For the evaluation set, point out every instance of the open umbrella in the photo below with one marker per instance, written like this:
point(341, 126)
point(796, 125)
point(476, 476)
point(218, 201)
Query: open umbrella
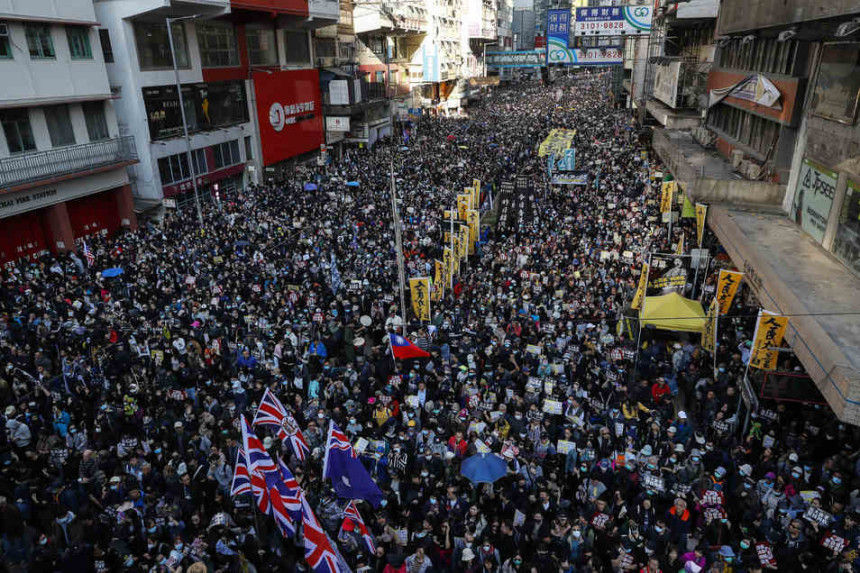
point(451, 137)
point(112, 272)
point(484, 468)
point(310, 186)
point(352, 184)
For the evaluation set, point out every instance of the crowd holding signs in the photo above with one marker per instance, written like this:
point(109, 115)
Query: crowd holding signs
point(245, 396)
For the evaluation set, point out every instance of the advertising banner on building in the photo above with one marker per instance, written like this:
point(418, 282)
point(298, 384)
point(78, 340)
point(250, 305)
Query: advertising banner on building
point(521, 59)
point(666, 83)
point(289, 109)
point(588, 57)
point(337, 123)
point(813, 198)
point(430, 67)
point(769, 331)
point(614, 21)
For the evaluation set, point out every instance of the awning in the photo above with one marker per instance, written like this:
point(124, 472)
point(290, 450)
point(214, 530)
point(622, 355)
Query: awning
point(673, 312)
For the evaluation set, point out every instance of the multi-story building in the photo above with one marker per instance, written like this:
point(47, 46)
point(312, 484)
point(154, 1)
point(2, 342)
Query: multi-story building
point(780, 170)
point(63, 158)
point(389, 36)
point(523, 28)
point(250, 90)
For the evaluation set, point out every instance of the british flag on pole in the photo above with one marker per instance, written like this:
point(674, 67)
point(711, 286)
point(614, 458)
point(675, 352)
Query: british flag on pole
point(241, 477)
point(320, 553)
point(351, 514)
point(272, 413)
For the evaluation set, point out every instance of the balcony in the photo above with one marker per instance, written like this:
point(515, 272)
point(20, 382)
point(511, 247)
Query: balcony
point(390, 17)
point(31, 168)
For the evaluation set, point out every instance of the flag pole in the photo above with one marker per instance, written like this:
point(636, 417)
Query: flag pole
point(327, 442)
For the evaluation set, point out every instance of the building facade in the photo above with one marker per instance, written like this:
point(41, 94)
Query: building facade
point(779, 166)
point(63, 156)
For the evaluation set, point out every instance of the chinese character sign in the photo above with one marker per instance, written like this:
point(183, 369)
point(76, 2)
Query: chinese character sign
point(769, 332)
point(639, 297)
point(701, 215)
point(463, 204)
point(473, 218)
point(439, 280)
point(420, 290)
point(668, 193)
point(727, 287)
point(614, 21)
point(709, 333)
point(464, 241)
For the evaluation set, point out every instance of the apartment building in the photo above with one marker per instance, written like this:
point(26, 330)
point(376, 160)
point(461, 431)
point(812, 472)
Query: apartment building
point(63, 158)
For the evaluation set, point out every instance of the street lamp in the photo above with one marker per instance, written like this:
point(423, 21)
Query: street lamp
point(170, 21)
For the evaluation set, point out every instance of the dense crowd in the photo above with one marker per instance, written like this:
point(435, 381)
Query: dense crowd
point(121, 395)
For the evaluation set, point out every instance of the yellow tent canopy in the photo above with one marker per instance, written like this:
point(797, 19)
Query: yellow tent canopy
point(673, 312)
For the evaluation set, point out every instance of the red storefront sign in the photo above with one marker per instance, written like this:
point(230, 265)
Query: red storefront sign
point(289, 110)
point(23, 235)
point(203, 180)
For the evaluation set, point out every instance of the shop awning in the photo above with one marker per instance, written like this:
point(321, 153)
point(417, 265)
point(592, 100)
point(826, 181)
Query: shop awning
point(673, 312)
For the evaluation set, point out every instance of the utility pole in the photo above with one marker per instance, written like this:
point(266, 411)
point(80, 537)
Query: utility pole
point(169, 22)
point(398, 242)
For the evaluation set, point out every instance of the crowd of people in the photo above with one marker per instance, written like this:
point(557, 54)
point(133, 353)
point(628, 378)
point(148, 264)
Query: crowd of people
point(122, 394)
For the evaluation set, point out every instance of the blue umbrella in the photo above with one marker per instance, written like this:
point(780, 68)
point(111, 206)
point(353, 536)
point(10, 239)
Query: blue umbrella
point(352, 183)
point(310, 186)
point(241, 244)
point(112, 272)
point(484, 468)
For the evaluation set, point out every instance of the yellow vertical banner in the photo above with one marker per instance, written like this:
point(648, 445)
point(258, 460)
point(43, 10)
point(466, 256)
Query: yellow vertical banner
point(420, 290)
point(473, 218)
point(464, 241)
point(447, 213)
point(448, 261)
point(639, 297)
point(679, 250)
point(440, 279)
point(463, 205)
point(769, 332)
point(668, 190)
point(470, 191)
point(476, 185)
point(701, 215)
point(727, 287)
point(709, 333)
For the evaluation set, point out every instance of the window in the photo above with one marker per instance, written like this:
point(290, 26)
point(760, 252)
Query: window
point(261, 47)
point(107, 47)
point(59, 125)
point(173, 168)
point(153, 45)
point(207, 106)
point(94, 113)
point(249, 153)
point(5, 44)
point(79, 42)
point(847, 243)
point(298, 51)
point(756, 133)
point(765, 55)
point(837, 87)
point(19, 134)
point(198, 158)
point(227, 154)
point(39, 42)
point(217, 45)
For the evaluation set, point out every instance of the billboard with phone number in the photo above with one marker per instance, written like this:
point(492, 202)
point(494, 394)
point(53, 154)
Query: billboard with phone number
point(614, 21)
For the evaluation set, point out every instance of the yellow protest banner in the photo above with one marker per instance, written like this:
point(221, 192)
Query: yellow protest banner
point(448, 214)
point(464, 241)
point(556, 142)
point(668, 193)
point(463, 204)
point(476, 185)
point(473, 218)
point(709, 333)
point(639, 297)
point(470, 191)
point(701, 215)
point(420, 290)
point(448, 261)
point(679, 250)
point(727, 287)
point(769, 331)
point(439, 280)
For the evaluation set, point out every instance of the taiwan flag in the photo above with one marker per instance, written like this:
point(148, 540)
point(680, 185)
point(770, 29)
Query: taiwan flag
point(403, 349)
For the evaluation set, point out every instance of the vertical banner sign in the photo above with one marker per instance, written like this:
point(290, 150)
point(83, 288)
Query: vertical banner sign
point(463, 205)
point(440, 278)
point(709, 333)
point(470, 191)
point(557, 34)
point(476, 185)
point(668, 190)
point(457, 256)
point(813, 198)
point(420, 289)
point(448, 261)
point(769, 331)
point(473, 218)
point(726, 289)
point(464, 241)
point(679, 250)
point(701, 216)
point(639, 297)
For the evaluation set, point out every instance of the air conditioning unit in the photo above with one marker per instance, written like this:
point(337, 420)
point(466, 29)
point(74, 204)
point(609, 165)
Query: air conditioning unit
point(4, 30)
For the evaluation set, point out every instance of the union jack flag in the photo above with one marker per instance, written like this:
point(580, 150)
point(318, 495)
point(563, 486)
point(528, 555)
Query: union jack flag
point(257, 456)
point(277, 492)
point(292, 495)
point(338, 440)
point(272, 413)
point(261, 492)
point(320, 553)
point(351, 513)
point(241, 477)
point(89, 256)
